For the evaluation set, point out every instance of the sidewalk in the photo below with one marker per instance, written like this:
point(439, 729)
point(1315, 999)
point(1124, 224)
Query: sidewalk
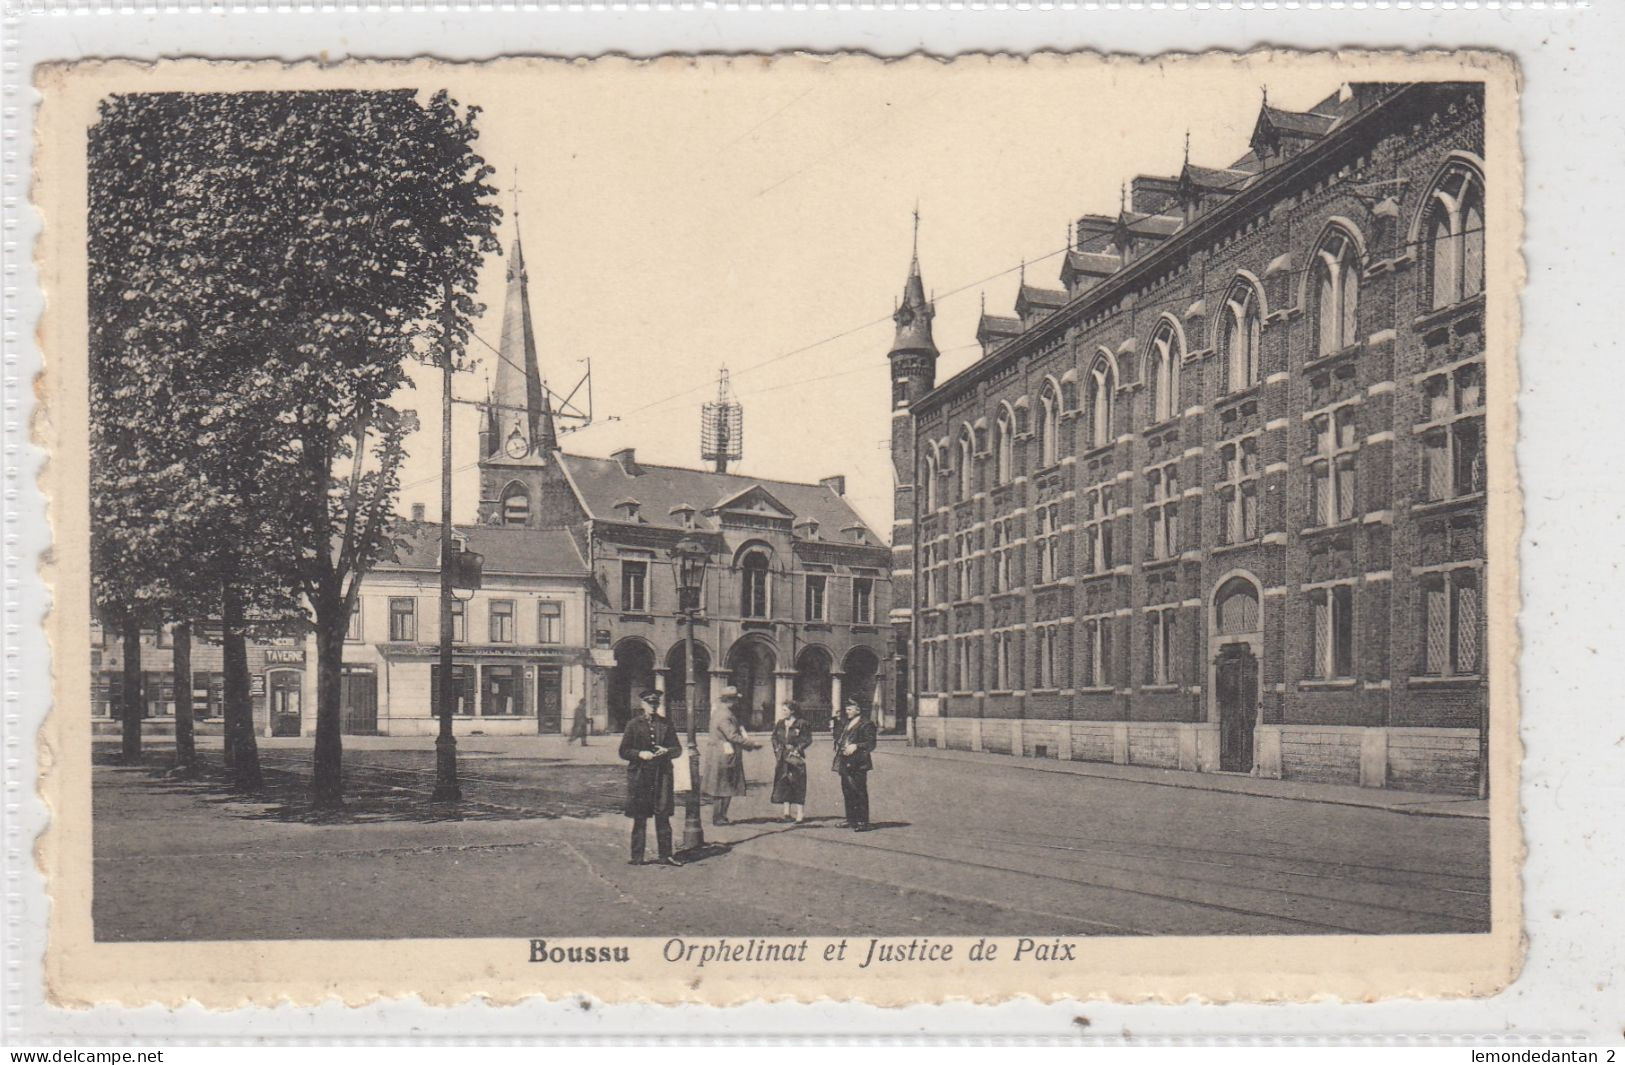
point(604, 750)
point(1422, 804)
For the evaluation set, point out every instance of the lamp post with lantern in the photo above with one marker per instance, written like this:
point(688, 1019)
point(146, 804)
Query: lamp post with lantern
point(691, 556)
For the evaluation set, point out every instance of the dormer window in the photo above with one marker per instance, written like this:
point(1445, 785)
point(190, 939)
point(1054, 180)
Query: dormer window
point(627, 509)
point(807, 528)
point(684, 514)
point(856, 533)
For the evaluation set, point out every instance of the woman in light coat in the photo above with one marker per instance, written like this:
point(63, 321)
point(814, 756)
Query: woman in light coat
point(725, 772)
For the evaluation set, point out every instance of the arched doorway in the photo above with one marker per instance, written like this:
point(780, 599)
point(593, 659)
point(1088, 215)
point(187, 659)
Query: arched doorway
point(634, 671)
point(1237, 627)
point(751, 665)
point(812, 686)
point(677, 686)
point(859, 672)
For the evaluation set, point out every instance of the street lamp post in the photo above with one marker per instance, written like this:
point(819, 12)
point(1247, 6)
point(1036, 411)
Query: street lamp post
point(445, 744)
point(691, 556)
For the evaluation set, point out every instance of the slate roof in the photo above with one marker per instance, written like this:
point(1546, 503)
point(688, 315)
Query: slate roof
point(1302, 122)
point(529, 552)
point(600, 483)
point(1156, 225)
point(1095, 263)
point(995, 325)
point(1045, 298)
point(1210, 178)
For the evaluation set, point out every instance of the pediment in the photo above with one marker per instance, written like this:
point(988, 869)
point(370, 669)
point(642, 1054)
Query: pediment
point(754, 502)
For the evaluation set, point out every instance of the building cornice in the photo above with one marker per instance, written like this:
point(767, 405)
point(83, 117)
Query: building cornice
point(1270, 185)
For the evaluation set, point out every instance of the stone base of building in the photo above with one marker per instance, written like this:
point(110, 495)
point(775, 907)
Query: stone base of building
point(1442, 760)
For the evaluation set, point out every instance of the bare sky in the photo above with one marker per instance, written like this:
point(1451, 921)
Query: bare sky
point(681, 217)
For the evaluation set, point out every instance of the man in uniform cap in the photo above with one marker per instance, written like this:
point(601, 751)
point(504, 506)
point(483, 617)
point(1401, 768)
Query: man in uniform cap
point(649, 745)
point(854, 740)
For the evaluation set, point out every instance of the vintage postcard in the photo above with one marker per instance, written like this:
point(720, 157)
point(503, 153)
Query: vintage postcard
point(786, 527)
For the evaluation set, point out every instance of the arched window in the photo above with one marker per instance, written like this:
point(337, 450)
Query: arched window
point(1003, 445)
point(1454, 235)
point(755, 599)
point(1048, 428)
point(516, 505)
point(1337, 292)
point(1165, 358)
point(928, 480)
point(1101, 389)
point(967, 465)
point(1239, 338)
point(1236, 607)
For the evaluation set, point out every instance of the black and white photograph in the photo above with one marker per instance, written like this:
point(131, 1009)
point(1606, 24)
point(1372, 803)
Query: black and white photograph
point(731, 519)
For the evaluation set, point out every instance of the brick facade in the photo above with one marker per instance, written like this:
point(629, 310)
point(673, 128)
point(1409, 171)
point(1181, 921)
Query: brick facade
point(1224, 495)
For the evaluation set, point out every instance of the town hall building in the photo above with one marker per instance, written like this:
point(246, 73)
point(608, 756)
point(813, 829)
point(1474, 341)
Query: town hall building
point(798, 587)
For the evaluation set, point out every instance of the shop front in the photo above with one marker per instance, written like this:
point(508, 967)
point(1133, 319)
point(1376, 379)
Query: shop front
point(506, 691)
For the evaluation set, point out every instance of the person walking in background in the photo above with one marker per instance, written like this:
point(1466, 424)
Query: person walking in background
point(854, 740)
point(648, 746)
point(792, 735)
point(725, 772)
point(578, 723)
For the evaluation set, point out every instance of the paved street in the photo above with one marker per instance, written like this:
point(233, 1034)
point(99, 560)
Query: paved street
point(967, 844)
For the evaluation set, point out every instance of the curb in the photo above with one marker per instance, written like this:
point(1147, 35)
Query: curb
point(1194, 781)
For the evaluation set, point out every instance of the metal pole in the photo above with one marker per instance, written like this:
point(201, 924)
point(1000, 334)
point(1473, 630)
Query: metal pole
point(445, 745)
point(693, 833)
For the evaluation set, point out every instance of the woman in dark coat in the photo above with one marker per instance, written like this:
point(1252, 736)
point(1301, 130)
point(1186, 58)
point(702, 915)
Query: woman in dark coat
point(648, 746)
point(791, 738)
point(725, 772)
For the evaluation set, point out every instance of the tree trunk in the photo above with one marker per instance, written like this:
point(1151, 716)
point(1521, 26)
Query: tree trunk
point(327, 784)
point(245, 760)
point(134, 703)
point(185, 747)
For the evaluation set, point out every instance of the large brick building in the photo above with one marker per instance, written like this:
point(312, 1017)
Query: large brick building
point(1218, 503)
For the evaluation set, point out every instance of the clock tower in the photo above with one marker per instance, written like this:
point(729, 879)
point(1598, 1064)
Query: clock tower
point(518, 440)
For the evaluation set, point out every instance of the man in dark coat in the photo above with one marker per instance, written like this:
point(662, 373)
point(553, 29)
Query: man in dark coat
point(649, 746)
point(854, 740)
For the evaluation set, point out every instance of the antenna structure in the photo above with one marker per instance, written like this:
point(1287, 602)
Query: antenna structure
point(722, 427)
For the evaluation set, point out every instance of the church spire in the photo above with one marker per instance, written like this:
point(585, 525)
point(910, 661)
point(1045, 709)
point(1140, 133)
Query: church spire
point(522, 419)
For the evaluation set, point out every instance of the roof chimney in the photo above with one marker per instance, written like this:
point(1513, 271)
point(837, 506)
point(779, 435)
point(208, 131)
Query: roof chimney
point(417, 512)
point(628, 458)
point(836, 484)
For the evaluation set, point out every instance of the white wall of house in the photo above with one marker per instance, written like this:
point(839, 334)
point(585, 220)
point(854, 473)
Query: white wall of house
point(402, 667)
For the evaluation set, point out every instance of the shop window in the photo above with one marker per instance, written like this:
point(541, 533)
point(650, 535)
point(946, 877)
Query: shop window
point(503, 691)
point(463, 681)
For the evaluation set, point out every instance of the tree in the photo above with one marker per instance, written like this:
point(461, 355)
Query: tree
point(275, 258)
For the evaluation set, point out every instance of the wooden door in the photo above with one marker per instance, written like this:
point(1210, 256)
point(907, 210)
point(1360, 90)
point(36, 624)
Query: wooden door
point(1236, 686)
point(549, 700)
